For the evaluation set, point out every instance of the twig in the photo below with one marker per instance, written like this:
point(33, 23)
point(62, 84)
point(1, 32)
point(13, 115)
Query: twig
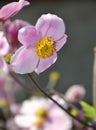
point(94, 80)
point(40, 88)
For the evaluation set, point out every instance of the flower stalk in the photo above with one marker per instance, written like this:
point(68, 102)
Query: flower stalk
point(94, 80)
point(42, 91)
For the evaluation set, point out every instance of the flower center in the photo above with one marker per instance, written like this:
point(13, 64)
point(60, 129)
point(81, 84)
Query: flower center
point(41, 115)
point(41, 112)
point(45, 48)
point(39, 122)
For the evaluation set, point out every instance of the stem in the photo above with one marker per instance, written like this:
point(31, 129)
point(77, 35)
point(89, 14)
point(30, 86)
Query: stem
point(39, 87)
point(61, 96)
point(94, 80)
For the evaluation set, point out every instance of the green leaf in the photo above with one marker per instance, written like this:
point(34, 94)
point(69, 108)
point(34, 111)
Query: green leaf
point(89, 110)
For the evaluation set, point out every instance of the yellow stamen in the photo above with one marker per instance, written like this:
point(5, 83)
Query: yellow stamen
point(74, 112)
point(8, 58)
point(39, 122)
point(41, 113)
point(45, 48)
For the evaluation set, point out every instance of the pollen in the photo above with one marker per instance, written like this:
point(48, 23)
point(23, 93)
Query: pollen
point(45, 48)
point(39, 122)
point(41, 113)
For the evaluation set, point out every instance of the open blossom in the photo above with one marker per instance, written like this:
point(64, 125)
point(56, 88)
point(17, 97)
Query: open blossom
point(38, 113)
point(12, 9)
point(40, 45)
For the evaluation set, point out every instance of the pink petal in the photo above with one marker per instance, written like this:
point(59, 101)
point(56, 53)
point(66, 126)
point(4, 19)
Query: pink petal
point(12, 9)
point(4, 46)
point(3, 65)
point(59, 118)
point(12, 32)
point(46, 63)
point(24, 60)
point(50, 25)
point(60, 42)
point(24, 121)
point(28, 35)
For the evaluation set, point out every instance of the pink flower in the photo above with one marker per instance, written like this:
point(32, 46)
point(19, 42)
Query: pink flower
point(39, 113)
point(75, 93)
point(12, 29)
point(40, 45)
point(12, 9)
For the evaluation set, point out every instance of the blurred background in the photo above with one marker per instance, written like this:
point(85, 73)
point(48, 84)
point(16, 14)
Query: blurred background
point(75, 60)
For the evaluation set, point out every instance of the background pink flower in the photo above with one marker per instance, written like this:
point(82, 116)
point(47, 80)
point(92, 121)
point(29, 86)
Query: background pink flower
point(4, 49)
point(12, 29)
point(12, 9)
point(40, 45)
point(75, 93)
point(40, 113)
point(4, 46)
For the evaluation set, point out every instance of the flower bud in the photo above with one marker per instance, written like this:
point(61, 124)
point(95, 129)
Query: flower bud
point(75, 93)
point(12, 29)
